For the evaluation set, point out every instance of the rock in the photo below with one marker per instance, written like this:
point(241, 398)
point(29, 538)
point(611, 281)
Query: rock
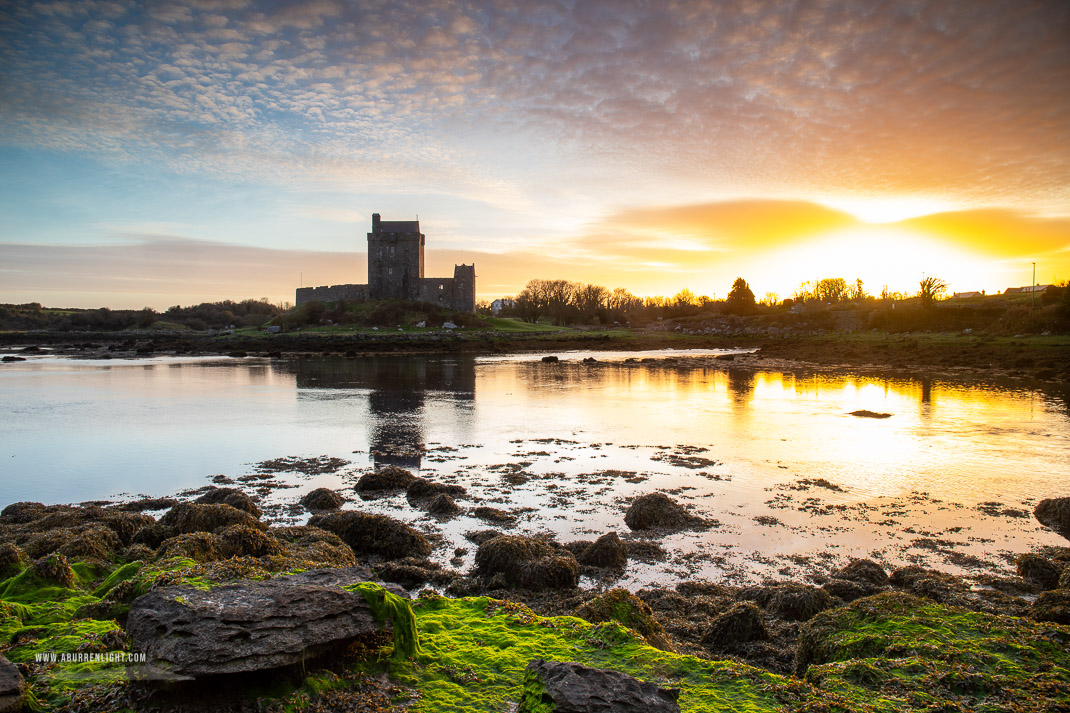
point(411, 571)
point(794, 602)
point(322, 499)
point(845, 589)
point(494, 515)
point(244, 541)
point(147, 504)
point(56, 569)
point(862, 570)
point(201, 517)
point(388, 478)
point(422, 488)
point(625, 608)
point(657, 510)
point(443, 505)
point(22, 512)
point(1064, 578)
point(374, 534)
point(1052, 606)
point(741, 624)
point(1052, 512)
point(526, 562)
point(550, 359)
point(12, 560)
point(449, 325)
point(12, 687)
point(230, 496)
point(1039, 570)
point(606, 551)
point(198, 546)
point(252, 626)
point(574, 688)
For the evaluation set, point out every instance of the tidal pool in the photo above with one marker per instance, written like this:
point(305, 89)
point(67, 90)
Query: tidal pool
point(795, 483)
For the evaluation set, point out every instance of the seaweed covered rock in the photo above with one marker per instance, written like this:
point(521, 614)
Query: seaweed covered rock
point(864, 571)
point(1039, 570)
point(607, 551)
point(12, 687)
point(625, 608)
point(529, 562)
point(318, 547)
point(1055, 514)
point(1064, 578)
point(1052, 606)
point(142, 504)
point(443, 506)
point(21, 512)
point(413, 571)
point(794, 602)
point(152, 535)
point(658, 510)
point(846, 589)
point(230, 496)
point(245, 541)
point(421, 488)
point(205, 517)
point(12, 560)
point(252, 626)
point(374, 534)
point(322, 499)
point(564, 687)
point(389, 478)
point(197, 546)
point(55, 568)
point(741, 624)
point(924, 582)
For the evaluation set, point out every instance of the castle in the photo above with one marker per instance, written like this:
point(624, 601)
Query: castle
point(396, 272)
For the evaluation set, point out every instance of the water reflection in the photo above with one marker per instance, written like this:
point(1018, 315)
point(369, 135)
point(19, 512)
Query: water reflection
point(398, 389)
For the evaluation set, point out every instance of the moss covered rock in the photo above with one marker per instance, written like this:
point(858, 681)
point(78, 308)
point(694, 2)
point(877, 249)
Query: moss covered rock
point(202, 517)
point(658, 510)
point(12, 560)
point(625, 608)
point(378, 535)
point(55, 569)
point(388, 478)
point(230, 496)
point(741, 624)
point(322, 500)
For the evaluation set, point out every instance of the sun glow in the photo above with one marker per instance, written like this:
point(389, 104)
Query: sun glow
point(887, 210)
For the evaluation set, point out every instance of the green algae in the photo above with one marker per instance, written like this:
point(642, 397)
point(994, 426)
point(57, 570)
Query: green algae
point(386, 605)
point(474, 653)
point(121, 574)
point(532, 695)
point(909, 654)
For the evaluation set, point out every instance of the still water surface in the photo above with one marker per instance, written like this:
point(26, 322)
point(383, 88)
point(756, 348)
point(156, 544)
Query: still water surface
point(564, 446)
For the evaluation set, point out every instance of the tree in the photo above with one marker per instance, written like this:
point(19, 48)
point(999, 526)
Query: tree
point(930, 290)
point(858, 292)
point(740, 298)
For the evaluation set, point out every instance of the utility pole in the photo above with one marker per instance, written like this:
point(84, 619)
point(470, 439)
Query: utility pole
point(1033, 287)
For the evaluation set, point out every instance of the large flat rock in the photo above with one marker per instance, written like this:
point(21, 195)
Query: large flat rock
point(575, 688)
point(251, 626)
point(12, 687)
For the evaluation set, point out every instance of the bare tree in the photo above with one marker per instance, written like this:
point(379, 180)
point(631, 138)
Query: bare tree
point(930, 290)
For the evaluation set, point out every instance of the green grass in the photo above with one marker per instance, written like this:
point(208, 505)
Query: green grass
point(511, 324)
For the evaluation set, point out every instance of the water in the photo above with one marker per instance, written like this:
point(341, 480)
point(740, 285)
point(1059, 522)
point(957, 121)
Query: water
point(794, 481)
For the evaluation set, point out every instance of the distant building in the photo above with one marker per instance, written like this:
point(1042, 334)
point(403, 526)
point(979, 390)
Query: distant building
point(396, 272)
point(965, 295)
point(1035, 289)
point(497, 306)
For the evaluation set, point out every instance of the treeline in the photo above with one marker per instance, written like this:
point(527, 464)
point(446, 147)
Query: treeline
point(208, 315)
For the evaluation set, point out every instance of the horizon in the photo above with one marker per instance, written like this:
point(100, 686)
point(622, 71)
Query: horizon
point(171, 154)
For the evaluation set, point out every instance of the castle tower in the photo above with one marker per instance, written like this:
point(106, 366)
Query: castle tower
point(464, 288)
point(395, 259)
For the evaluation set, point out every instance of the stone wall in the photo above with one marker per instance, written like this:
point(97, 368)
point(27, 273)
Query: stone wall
point(332, 293)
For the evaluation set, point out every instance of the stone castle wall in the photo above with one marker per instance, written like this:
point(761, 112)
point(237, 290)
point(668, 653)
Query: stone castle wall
point(332, 293)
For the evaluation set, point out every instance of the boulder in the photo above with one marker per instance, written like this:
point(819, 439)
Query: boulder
point(422, 488)
point(846, 589)
point(1052, 512)
point(658, 510)
point(550, 359)
point(741, 624)
point(56, 569)
point(245, 541)
point(204, 517)
point(625, 608)
point(252, 626)
point(389, 478)
point(230, 496)
point(1039, 570)
point(528, 562)
point(606, 551)
point(197, 546)
point(1052, 606)
point(443, 505)
point(574, 688)
point(862, 571)
point(22, 512)
point(322, 499)
point(794, 602)
point(370, 534)
point(12, 687)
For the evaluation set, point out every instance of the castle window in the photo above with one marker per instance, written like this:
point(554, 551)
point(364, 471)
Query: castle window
point(390, 271)
point(391, 249)
point(441, 287)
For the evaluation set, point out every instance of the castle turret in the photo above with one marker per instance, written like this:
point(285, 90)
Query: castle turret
point(464, 288)
point(395, 259)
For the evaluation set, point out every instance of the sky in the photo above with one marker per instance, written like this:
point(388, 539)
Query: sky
point(162, 153)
